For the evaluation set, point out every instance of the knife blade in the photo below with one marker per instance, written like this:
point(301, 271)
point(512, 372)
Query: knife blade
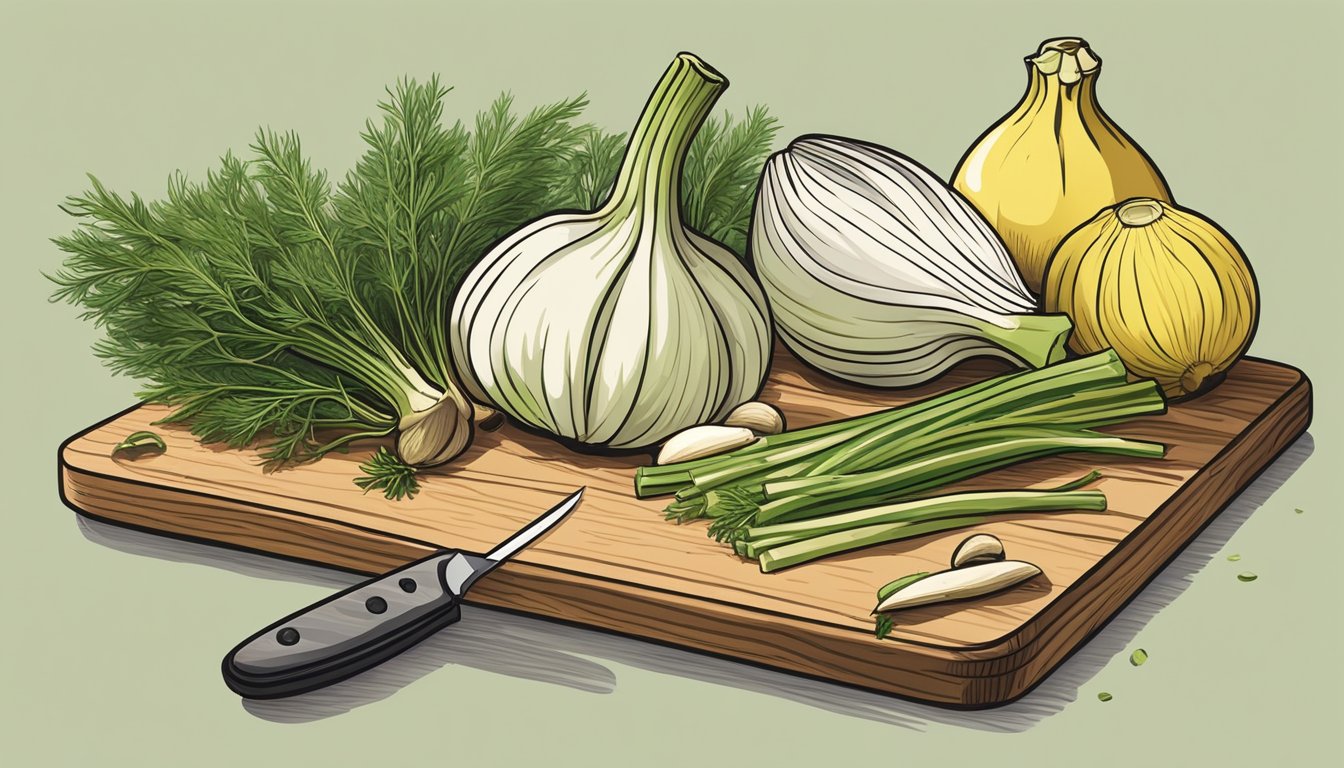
point(363, 626)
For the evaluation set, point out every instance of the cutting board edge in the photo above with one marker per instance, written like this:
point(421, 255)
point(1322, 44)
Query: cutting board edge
point(1002, 655)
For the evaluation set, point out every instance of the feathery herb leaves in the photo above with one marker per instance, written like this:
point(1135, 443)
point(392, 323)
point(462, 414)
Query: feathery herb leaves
point(593, 167)
point(721, 174)
point(386, 472)
point(264, 306)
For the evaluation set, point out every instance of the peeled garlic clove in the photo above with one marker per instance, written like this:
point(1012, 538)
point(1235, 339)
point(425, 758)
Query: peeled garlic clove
point(705, 440)
point(960, 584)
point(1165, 287)
point(1055, 160)
point(880, 274)
point(761, 418)
point(982, 547)
point(619, 327)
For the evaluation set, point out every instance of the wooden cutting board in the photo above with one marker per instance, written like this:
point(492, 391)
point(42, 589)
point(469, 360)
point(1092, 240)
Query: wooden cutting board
point(615, 564)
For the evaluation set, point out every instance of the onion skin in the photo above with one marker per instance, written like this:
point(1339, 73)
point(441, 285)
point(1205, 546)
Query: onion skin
point(1165, 287)
point(1055, 160)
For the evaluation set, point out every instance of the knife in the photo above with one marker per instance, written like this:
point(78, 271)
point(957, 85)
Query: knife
point(370, 622)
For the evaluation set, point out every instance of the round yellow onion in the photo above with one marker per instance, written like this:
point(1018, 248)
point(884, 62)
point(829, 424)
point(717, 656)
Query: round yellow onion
point(1165, 287)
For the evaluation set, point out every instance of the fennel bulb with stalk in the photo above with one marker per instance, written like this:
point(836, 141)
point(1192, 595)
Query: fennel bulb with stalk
point(268, 306)
point(879, 273)
point(619, 327)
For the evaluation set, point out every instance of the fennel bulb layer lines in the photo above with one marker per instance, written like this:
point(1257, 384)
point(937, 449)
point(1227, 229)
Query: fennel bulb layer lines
point(879, 273)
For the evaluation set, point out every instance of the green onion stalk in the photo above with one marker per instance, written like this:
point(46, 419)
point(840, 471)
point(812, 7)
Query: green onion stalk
point(905, 453)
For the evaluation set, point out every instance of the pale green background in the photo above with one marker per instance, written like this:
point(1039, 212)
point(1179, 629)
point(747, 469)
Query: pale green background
point(109, 658)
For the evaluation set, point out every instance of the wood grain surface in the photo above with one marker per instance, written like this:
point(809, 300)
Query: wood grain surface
point(615, 564)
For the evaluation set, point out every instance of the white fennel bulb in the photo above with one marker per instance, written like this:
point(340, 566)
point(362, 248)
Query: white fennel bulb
point(619, 327)
point(879, 273)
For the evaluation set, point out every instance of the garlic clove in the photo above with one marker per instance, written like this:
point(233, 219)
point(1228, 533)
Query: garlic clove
point(705, 440)
point(980, 548)
point(960, 584)
point(761, 418)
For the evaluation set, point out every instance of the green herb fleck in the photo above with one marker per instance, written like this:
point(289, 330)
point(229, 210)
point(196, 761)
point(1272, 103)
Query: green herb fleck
point(1234, 558)
point(1298, 511)
point(1138, 657)
point(883, 627)
point(388, 473)
point(1247, 576)
point(1104, 696)
point(888, 589)
point(140, 440)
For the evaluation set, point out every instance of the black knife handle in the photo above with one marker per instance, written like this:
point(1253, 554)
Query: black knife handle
point(348, 632)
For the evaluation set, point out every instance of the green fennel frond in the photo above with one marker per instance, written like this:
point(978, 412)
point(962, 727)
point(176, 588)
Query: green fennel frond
point(197, 297)
point(515, 166)
point(733, 510)
point(722, 170)
point(389, 474)
point(592, 168)
point(882, 625)
point(269, 309)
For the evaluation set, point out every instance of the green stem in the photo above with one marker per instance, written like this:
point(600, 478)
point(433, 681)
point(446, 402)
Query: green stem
point(650, 174)
point(1037, 340)
point(796, 553)
point(856, 445)
point(1051, 393)
point(825, 494)
point(934, 508)
point(770, 450)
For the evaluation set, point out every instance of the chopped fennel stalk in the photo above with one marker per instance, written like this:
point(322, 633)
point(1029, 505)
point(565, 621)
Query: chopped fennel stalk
point(845, 446)
point(798, 552)
point(791, 497)
point(825, 494)
point(785, 446)
point(816, 496)
point(756, 541)
point(933, 508)
point(141, 439)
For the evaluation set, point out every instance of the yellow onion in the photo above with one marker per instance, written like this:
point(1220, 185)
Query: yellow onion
point(1165, 287)
point(1055, 160)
